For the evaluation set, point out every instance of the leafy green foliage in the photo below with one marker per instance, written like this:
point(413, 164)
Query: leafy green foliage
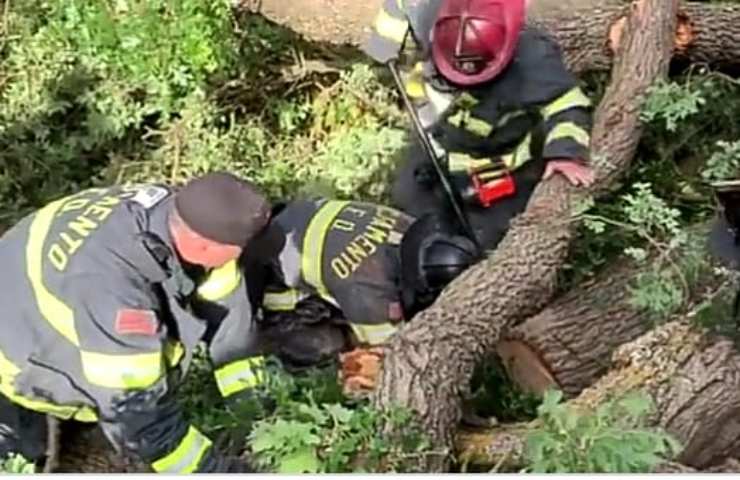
point(16, 463)
point(130, 90)
point(308, 435)
point(494, 395)
point(724, 164)
point(313, 427)
point(671, 103)
point(612, 439)
point(654, 227)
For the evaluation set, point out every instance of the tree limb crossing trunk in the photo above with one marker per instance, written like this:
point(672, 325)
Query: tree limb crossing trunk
point(429, 363)
point(569, 344)
point(693, 379)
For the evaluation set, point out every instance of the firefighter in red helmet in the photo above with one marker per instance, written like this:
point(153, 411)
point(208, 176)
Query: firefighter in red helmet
point(496, 102)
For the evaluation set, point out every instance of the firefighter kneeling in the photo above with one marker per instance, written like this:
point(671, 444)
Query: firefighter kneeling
point(357, 268)
point(101, 294)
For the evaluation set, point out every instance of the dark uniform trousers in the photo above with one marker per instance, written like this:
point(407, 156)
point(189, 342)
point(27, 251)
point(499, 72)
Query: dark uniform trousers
point(489, 224)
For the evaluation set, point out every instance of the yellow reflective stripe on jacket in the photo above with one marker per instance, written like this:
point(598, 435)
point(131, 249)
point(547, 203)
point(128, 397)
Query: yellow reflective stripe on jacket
point(463, 119)
point(240, 375)
point(122, 371)
point(373, 334)
point(568, 130)
point(313, 245)
point(463, 162)
point(282, 301)
point(571, 99)
point(56, 312)
point(415, 82)
point(8, 372)
point(221, 282)
point(389, 27)
point(187, 456)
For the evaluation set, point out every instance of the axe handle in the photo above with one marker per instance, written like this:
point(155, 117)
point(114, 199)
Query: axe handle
point(429, 150)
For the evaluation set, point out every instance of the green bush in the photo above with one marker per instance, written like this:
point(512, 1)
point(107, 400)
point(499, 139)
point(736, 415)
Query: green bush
point(613, 439)
point(129, 90)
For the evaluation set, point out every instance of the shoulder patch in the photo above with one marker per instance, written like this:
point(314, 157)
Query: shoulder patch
point(130, 321)
point(149, 195)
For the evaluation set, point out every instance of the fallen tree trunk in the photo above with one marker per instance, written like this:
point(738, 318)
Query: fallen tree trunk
point(692, 378)
point(587, 30)
point(568, 345)
point(429, 363)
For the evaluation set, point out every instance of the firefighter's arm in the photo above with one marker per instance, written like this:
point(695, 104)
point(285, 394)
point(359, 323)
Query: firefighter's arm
point(567, 127)
point(389, 30)
point(239, 366)
point(125, 356)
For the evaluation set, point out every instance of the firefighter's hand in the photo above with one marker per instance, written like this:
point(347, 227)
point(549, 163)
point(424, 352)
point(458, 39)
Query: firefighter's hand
point(360, 369)
point(577, 172)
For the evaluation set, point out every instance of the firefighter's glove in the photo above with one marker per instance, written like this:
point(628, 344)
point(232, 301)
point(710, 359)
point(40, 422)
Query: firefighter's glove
point(360, 370)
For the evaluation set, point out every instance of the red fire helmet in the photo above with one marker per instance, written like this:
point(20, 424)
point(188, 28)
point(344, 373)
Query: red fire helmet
point(474, 40)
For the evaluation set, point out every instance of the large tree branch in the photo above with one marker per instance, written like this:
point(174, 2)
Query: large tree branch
point(430, 361)
point(569, 344)
point(586, 29)
point(692, 378)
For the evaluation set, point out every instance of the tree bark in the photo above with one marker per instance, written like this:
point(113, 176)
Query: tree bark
point(586, 29)
point(568, 345)
point(693, 379)
point(430, 361)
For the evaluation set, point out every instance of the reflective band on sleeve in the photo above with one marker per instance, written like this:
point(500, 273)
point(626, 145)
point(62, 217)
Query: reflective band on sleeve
point(240, 375)
point(187, 456)
point(373, 334)
point(313, 245)
point(8, 372)
point(463, 162)
point(56, 312)
point(476, 126)
point(521, 155)
point(390, 28)
point(122, 371)
point(221, 282)
point(569, 130)
point(571, 99)
point(282, 301)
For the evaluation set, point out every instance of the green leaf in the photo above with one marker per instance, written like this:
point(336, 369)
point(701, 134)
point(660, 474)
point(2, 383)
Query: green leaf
point(301, 461)
point(314, 412)
point(339, 413)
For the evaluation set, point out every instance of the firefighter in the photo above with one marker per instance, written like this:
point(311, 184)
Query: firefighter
point(375, 265)
point(101, 294)
point(496, 101)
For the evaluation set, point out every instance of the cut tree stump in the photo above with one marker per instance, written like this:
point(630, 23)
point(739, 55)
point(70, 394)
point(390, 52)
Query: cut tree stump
point(693, 379)
point(430, 361)
point(569, 344)
point(587, 30)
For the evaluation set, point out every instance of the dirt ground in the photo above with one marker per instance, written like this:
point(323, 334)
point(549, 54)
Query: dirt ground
point(346, 21)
